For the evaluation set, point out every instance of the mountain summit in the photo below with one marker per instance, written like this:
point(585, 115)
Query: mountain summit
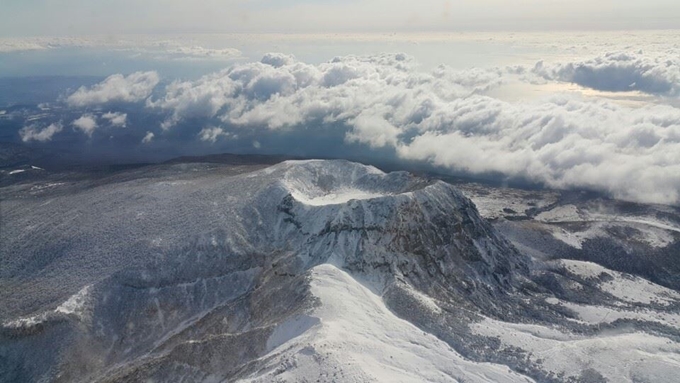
point(301, 271)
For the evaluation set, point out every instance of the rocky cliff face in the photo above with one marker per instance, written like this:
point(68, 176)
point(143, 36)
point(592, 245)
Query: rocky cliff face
point(389, 225)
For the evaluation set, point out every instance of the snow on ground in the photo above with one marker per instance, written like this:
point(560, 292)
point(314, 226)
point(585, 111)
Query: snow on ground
point(575, 239)
point(601, 314)
point(27, 322)
point(640, 220)
point(500, 202)
point(562, 213)
point(624, 286)
point(424, 299)
point(333, 198)
point(652, 231)
point(76, 303)
point(625, 357)
point(353, 337)
point(40, 187)
point(619, 355)
point(311, 183)
point(655, 236)
point(16, 171)
point(570, 213)
point(650, 234)
point(627, 288)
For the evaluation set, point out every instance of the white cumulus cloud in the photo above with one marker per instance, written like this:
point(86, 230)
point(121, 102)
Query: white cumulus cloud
point(148, 137)
point(33, 133)
point(87, 123)
point(116, 119)
point(211, 134)
point(117, 88)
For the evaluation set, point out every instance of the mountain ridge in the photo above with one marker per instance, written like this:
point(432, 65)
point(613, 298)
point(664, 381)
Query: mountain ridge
point(202, 272)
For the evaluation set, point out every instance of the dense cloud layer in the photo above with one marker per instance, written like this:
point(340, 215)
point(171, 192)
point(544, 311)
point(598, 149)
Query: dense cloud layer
point(384, 104)
point(620, 72)
point(563, 142)
point(280, 91)
point(117, 88)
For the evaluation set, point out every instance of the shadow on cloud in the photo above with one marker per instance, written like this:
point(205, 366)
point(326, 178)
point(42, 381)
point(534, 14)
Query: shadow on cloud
point(619, 72)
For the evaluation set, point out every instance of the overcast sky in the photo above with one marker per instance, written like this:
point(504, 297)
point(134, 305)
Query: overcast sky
point(81, 17)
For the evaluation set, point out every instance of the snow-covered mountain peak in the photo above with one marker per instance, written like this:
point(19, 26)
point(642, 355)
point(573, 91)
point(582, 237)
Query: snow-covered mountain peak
point(386, 225)
point(325, 269)
point(320, 183)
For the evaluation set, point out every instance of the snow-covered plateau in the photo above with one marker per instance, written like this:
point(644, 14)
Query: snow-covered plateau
point(329, 271)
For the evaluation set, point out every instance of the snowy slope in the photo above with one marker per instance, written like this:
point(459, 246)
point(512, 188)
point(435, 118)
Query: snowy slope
point(353, 337)
point(625, 287)
point(652, 231)
point(617, 356)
